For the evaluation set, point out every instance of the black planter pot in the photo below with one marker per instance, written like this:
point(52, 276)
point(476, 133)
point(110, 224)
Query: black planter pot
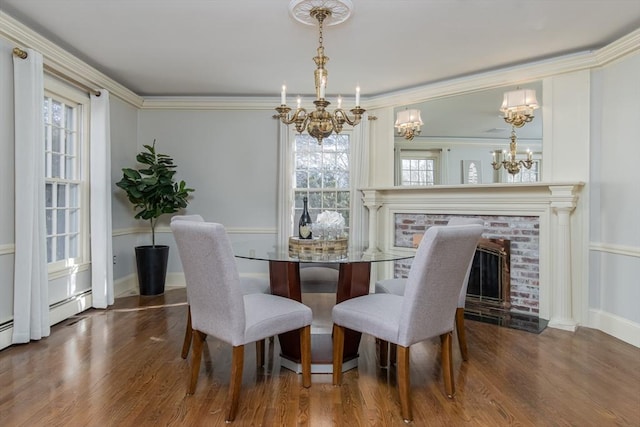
point(152, 268)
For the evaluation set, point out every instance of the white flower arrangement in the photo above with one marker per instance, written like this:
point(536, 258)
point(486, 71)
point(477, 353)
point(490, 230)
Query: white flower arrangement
point(329, 225)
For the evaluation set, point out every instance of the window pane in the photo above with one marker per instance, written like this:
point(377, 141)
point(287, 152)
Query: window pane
point(69, 117)
point(74, 190)
point(301, 179)
point(55, 140)
point(48, 195)
point(60, 248)
point(315, 179)
point(57, 113)
point(49, 221)
point(74, 219)
point(68, 168)
point(60, 221)
point(55, 166)
point(73, 246)
point(61, 194)
point(49, 249)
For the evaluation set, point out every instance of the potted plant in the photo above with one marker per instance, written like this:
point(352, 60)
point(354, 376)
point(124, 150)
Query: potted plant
point(153, 192)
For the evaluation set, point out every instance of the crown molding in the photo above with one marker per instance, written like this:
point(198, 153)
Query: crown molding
point(208, 103)
point(618, 49)
point(66, 63)
point(63, 61)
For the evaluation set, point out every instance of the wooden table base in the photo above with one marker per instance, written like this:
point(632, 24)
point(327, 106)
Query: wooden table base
point(353, 281)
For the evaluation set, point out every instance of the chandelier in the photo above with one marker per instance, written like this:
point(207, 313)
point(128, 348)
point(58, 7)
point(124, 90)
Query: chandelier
point(517, 106)
point(408, 123)
point(319, 123)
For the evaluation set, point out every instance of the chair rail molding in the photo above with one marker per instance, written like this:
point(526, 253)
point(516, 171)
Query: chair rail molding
point(555, 204)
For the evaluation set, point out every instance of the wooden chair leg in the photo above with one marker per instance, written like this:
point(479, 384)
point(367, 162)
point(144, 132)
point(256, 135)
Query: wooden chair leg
point(188, 333)
point(259, 353)
point(237, 363)
point(305, 355)
point(392, 354)
point(383, 352)
point(404, 383)
point(196, 357)
point(338, 353)
point(447, 364)
point(462, 338)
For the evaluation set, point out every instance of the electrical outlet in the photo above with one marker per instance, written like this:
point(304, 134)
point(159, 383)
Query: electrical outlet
point(114, 260)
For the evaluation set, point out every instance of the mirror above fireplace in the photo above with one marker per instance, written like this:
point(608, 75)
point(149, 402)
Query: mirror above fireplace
point(460, 135)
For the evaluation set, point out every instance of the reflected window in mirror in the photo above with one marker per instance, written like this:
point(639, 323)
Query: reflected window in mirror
point(417, 167)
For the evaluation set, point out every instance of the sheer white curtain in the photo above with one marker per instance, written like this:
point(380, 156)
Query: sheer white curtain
point(285, 184)
point(101, 235)
point(358, 235)
point(31, 294)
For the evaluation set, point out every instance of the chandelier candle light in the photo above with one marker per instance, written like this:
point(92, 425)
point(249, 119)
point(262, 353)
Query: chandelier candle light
point(517, 106)
point(320, 123)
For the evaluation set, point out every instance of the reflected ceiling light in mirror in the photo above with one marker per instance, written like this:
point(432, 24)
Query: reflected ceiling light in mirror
point(517, 106)
point(319, 122)
point(408, 123)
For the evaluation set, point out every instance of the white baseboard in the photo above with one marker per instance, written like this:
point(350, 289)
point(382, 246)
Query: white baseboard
point(5, 337)
point(70, 308)
point(616, 326)
point(57, 314)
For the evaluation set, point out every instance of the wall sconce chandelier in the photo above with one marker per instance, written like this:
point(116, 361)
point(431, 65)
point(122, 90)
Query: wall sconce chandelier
point(320, 123)
point(408, 123)
point(517, 106)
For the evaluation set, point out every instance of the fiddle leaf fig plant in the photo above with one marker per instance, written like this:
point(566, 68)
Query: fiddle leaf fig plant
point(152, 189)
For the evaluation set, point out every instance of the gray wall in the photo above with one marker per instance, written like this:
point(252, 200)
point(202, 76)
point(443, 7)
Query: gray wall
point(7, 179)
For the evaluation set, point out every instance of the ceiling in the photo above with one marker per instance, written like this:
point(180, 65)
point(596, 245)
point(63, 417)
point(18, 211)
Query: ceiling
point(250, 47)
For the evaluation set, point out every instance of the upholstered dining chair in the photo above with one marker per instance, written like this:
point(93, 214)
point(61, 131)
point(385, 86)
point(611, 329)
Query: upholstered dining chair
point(426, 310)
point(396, 286)
point(219, 309)
point(249, 285)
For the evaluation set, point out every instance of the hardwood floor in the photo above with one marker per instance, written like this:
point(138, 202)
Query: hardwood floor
point(122, 367)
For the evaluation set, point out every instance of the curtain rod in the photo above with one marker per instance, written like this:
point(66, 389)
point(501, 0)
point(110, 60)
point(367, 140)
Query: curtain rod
point(23, 54)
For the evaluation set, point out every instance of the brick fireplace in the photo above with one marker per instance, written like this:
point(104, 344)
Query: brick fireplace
point(521, 231)
point(537, 218)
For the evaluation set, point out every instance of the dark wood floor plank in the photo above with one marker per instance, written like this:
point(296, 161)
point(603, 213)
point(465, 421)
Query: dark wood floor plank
point(122, 367)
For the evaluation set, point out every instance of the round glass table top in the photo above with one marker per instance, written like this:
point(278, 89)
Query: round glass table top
point(251, 250)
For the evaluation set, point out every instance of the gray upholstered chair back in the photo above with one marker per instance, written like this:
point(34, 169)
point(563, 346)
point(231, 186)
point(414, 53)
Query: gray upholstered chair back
point(465, 221)
point(435, 281)
point(193, 217)
point(213, 283)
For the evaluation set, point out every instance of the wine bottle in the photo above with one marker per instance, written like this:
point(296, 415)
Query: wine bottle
point(304, 225)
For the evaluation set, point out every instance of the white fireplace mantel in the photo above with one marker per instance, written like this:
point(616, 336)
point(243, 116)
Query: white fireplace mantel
point(555, 204)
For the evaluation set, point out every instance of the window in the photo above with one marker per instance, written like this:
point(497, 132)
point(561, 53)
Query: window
point(417, 166)
point(322, 174)
point(64, 125)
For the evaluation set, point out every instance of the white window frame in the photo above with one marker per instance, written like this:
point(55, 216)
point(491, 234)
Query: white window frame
point(63, 92)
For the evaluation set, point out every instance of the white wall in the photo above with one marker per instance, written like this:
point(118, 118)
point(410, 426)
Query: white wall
point(614, 289)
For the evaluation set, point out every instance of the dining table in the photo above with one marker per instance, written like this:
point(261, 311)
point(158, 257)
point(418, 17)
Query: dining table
point(354, 277)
